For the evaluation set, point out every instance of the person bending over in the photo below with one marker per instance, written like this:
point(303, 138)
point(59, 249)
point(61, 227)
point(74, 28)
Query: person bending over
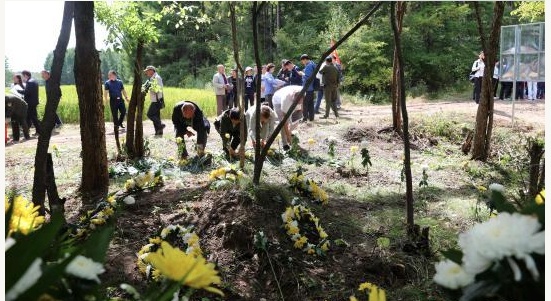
point(267, 123)
point(189, 120)
point(228, 125)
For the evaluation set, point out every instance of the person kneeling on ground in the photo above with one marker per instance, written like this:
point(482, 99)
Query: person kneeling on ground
point(188, 118)
point(267, 123)
point(16, 110)
point(228, 126)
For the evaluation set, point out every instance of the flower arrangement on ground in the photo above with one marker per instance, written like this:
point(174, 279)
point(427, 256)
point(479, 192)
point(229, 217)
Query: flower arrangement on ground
point(371, 291)
point(178, 236)
point(104, 210)
point(503, 256)
point(24, 217)
point(300, 223)
point(144, 180)
point(307, 187)
point(175, 254)
point(225, 175)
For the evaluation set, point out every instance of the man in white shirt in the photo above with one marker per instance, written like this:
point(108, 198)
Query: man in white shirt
point(478, 66)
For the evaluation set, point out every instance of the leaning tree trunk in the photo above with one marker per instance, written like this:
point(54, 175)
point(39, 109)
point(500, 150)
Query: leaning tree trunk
point(95, 176)
point(136, 98)
point(259, 160)
point(485, 112)
point(407, 159)
point(53, 97)
point(395, 87)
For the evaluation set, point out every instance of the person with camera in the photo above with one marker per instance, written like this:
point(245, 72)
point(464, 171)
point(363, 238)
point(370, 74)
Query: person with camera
point(154, 86)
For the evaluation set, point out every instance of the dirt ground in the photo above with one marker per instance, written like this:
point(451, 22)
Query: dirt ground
point(362, 208)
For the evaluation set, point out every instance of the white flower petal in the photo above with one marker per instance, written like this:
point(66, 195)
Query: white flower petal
point(451, 275)
point(85, 268)
point(33, 273)
point(129, 200)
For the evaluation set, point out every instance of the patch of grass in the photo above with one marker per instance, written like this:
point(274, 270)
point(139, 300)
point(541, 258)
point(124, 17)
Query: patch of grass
point(445, 126)
point(68, 109)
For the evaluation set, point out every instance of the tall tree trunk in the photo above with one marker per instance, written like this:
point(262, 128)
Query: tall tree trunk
point(53, 97)
point(239, 91)
point(259, 160)
point(136, 97)
point(407, 159)
point(485, 112)
point(395, 88)
point(535, 151)
point(95, 176)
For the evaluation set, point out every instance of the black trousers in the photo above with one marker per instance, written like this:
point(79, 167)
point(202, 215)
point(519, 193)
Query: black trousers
point(15, 122)
point(505, 91)
point(248, 100)
point(308, 106)
point(154, 114)
point(477, 89)
point(495, 82)
point(117, 106)
point(32, 117)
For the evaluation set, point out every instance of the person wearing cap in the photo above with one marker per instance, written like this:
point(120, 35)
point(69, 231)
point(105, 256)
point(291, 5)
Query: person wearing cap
point(46, 77)
point(221, 88)
point(308, 104)
point(154, 85)
point(330, 75)
point(228, 126)
point(250, 88)
point(115, 90)
point(188, 120)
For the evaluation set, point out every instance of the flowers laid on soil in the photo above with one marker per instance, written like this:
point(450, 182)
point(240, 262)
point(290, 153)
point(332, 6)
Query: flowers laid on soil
point(144, 180)
point(307, 187)
point(300, 222)
point(371, 291)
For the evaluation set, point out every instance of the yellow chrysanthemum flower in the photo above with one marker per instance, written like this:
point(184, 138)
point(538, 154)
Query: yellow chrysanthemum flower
point(191, 271)
point(300, 242)
point(311, 141)
point(157, 240)
point(112, 201)
point(354, 149)
point(322, 233)
point(540, 198)
point(179, 140)
point(25, 218)
point(365, 286)
point(227, 135)
point(108, 211)
point(352, 298)
point(97, 221)
point(311, 251)
point(325, 246)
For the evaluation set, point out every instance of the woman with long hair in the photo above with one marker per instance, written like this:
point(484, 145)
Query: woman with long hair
point(17, 85)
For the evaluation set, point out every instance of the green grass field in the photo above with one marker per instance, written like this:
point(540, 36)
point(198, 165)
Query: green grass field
point(68, 107)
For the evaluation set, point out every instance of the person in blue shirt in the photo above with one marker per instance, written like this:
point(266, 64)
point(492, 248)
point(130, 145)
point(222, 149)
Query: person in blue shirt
point(115, 89)
point(271, 84)
point(308, 104)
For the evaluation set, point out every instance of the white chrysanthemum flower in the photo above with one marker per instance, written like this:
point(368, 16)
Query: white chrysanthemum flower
point(364, 144)
point(9, 243)
point(33, 273)
point(505, 235)
point(295, 237)
point(85, 268)
point(425, 167)
point(129, 200)
point(497, 187)
point(451, 275)
point(332, 139)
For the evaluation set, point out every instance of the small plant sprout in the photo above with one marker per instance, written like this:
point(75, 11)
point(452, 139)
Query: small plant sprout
point(424, 181)
point(366, 158)
point(353, 152)
point(331, 147)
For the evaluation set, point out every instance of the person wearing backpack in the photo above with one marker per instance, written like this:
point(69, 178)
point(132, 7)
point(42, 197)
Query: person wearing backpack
point(478, 67)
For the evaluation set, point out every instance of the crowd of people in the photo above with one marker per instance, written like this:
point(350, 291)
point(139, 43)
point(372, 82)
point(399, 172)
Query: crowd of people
point(529, 90)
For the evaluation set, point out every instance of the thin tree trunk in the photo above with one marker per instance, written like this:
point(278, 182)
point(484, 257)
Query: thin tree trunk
point(536, 152)
point(395, 88)
point(407, 159)
point(57, 205)
point(485, 112)
point(95, 176)
point(53, 96)
point(136, 97)
point(259, 161)
point(239, 90)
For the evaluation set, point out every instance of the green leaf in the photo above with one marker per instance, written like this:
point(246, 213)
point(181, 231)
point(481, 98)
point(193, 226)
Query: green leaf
point(29, 247)
point(96, 245)
point(341, 242)
point(453, 255)
point(383, 242)
point(500, 203)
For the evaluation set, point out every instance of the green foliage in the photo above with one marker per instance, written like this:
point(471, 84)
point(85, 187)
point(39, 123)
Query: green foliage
point(8, 73)
point(531, 11)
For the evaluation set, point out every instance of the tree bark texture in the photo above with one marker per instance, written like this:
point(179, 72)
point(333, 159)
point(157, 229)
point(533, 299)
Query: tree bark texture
point(485, 112)
point(136, 97)
point(405, 126)
point(52, 101)
point(536, 151)
point(395, 87)
point(259, 160)
point(57, 205)
point(95, 177)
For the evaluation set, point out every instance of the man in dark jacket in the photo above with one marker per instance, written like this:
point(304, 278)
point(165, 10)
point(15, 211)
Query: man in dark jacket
point(330, 79)
point(16, 110)
point(228, 125)
point(31, 98)
point(293, 73)
point(188, 118)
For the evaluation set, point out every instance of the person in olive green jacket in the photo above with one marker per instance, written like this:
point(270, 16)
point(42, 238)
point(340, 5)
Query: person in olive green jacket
point(330, 78)
point(228, 125)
